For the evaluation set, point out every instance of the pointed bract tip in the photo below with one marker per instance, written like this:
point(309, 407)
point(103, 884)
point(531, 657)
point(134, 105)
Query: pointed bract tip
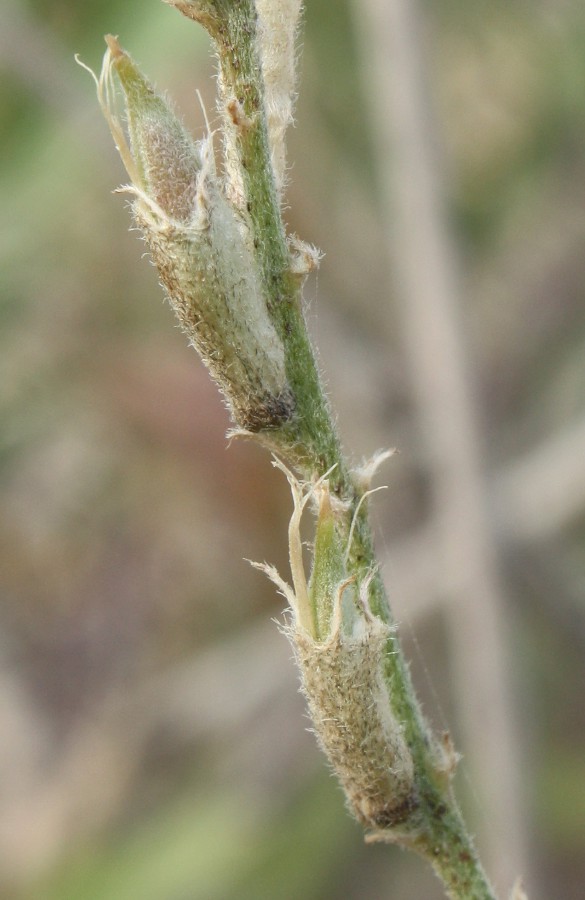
point(113, 46)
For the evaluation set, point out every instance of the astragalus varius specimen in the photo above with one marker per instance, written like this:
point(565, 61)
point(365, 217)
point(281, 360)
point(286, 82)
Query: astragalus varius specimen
point(234, 277)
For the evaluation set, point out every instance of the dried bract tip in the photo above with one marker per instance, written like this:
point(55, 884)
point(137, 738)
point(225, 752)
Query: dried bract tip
point(448, 758)
point(364, 474)
point(113, 46)
point(305, 258)
point(236, 112)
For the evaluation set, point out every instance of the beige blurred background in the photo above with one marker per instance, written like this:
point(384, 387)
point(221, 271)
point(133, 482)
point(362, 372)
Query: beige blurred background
point(153, 744)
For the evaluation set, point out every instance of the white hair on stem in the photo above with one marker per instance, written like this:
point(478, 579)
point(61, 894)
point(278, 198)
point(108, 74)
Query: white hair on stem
point(277, 30)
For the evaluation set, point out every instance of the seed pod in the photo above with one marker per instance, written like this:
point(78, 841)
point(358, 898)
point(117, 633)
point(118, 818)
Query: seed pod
point(201, 248)
point(167, 160)
point(342, 679)
point(340, 647)
point(214, 289)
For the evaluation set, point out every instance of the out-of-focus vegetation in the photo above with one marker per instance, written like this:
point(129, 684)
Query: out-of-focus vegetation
point(153, 741)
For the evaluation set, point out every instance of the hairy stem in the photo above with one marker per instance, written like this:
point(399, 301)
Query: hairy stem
point(232, 274)
point(431, 822)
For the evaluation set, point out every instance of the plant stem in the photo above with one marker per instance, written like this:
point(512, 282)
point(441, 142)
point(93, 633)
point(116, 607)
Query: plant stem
point(309, 441)
point(432, 825)
point(401, 791)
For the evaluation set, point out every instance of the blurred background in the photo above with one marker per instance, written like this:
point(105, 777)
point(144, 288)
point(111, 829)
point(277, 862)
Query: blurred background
point(153, 742)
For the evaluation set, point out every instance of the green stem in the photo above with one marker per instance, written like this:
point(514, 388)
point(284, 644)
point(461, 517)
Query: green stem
point(309, 441)
point(430, 822)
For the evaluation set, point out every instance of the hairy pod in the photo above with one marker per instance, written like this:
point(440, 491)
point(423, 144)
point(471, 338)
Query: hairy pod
point(342, 679)
point(201, 247)
point(340, 647)
point(213, 287)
